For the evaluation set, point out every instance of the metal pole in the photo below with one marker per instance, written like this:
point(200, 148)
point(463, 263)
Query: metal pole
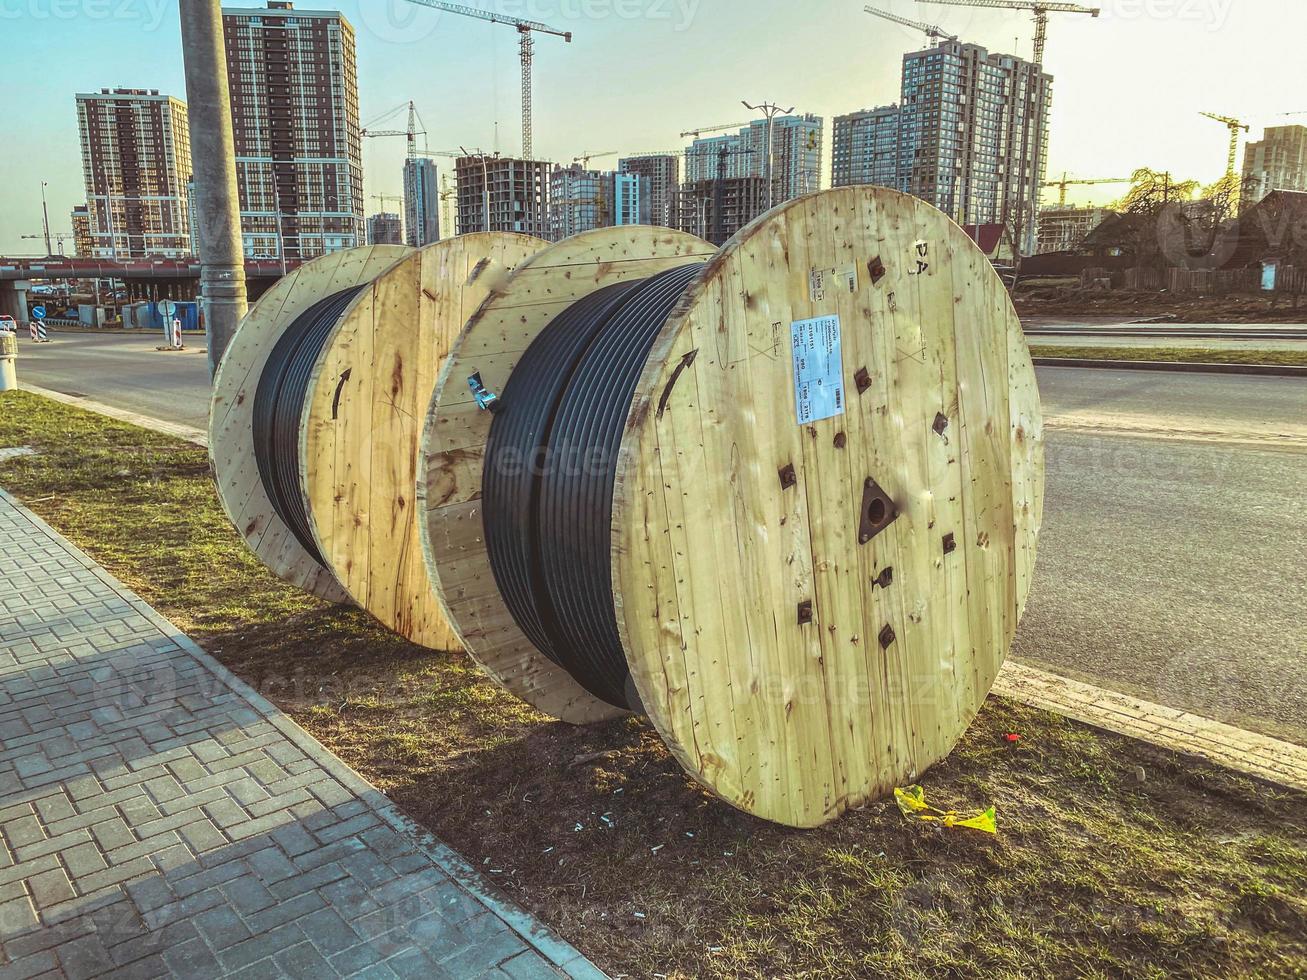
point(771, 110)
point(213, 154)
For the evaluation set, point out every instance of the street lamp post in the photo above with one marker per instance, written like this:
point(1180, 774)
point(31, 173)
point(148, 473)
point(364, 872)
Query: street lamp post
point(771, 110)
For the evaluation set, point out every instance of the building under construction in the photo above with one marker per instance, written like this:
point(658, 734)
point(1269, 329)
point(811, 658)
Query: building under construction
point(1064, 229)
point(385, 228)
point(716, 209)
point(502, 194)
point(660, 175)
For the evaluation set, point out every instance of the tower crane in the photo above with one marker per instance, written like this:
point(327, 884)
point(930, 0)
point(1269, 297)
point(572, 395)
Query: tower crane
point(1039, 8)
point(696, 133)
point(1066, 182)
point(933, 32)
point(59, 238)
point(585, 158)
point(383, 198)
point(526, 45)
point(411, 133)
point(1231, 179)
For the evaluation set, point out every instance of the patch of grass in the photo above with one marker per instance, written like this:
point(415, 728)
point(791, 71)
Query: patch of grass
point(1194, 872)
point(1186, 355)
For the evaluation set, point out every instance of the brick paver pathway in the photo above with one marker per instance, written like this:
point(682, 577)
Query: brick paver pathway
point(157, 817)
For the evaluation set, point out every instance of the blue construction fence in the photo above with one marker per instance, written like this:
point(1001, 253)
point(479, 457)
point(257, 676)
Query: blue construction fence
point(146, 316)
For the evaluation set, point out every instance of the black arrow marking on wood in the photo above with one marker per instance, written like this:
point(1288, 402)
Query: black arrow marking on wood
point(340, 385)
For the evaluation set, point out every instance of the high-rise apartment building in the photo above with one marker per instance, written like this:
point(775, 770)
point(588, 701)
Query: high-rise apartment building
point(83, 243)
point(795, 157)
point(136, 160)
point(662, 175)
point(384, 228)
point(512, 194)
point(795, 150)
point(970, 133)
point(581, 200)
point(421, 202)
point(630, 199)
point(974, 135)
point(1277, 162)
point(295, 112)
point(865, 148)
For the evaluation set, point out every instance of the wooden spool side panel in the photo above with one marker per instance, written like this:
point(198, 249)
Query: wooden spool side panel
point(231, 445)
point(456, 433)
point(364, 416)
point(715, 558)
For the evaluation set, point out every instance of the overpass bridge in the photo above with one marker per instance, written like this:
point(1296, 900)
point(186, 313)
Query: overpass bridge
point(144, 279)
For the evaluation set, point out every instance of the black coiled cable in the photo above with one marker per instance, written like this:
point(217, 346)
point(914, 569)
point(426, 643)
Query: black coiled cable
point(550, 465)
point(279, 406)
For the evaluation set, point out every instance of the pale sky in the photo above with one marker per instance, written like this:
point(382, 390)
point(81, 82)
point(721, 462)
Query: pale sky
point(1128, 88)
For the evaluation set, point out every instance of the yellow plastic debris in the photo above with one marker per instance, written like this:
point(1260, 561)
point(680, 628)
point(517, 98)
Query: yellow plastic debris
point(912, 803)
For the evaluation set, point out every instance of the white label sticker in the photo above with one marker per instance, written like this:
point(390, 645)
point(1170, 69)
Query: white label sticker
point(818, 368)
point(823, 281)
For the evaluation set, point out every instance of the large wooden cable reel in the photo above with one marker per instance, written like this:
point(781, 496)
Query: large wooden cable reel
point(364, 416)
point(812, 611)
point(231, 414)
point(361, 420)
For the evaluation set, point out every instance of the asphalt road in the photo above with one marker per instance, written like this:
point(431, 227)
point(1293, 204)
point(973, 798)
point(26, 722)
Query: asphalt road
point(1173, 559)
point(123, 371)
point(1175, 568)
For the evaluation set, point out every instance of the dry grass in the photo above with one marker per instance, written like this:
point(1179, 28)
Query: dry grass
point(1186, 355)
point(1191, 872)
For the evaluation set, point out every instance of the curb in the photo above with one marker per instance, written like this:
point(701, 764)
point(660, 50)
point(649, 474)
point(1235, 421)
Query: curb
point(117, 331)
point(1250, 753)
point(175, 429)
point(562, 955)
point(1193, 367)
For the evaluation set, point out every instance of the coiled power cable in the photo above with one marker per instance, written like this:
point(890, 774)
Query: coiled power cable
point(279, 407)
point(550, 465)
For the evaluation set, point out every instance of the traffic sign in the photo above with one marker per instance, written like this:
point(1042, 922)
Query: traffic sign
point(167, 308)
point(38, 312)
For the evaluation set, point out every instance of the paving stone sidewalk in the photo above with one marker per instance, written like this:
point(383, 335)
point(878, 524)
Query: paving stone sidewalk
point(158, 817)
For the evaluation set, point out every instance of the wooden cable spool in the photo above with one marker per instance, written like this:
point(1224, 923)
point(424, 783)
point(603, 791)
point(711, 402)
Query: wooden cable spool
point(368, 391)
point(812, 609)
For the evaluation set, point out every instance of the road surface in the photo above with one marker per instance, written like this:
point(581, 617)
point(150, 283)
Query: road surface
point(124, 371)
point(1172, 564)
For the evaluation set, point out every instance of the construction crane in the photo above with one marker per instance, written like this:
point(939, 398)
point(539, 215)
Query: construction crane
point(1231, 179)
point(59, 238)
point(933, 32)
point(1040, 9)
point(526, 44)
point(383, 198)
point(695, 133)
point(1066, 182)
point(411, 133)
point(585, 158)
